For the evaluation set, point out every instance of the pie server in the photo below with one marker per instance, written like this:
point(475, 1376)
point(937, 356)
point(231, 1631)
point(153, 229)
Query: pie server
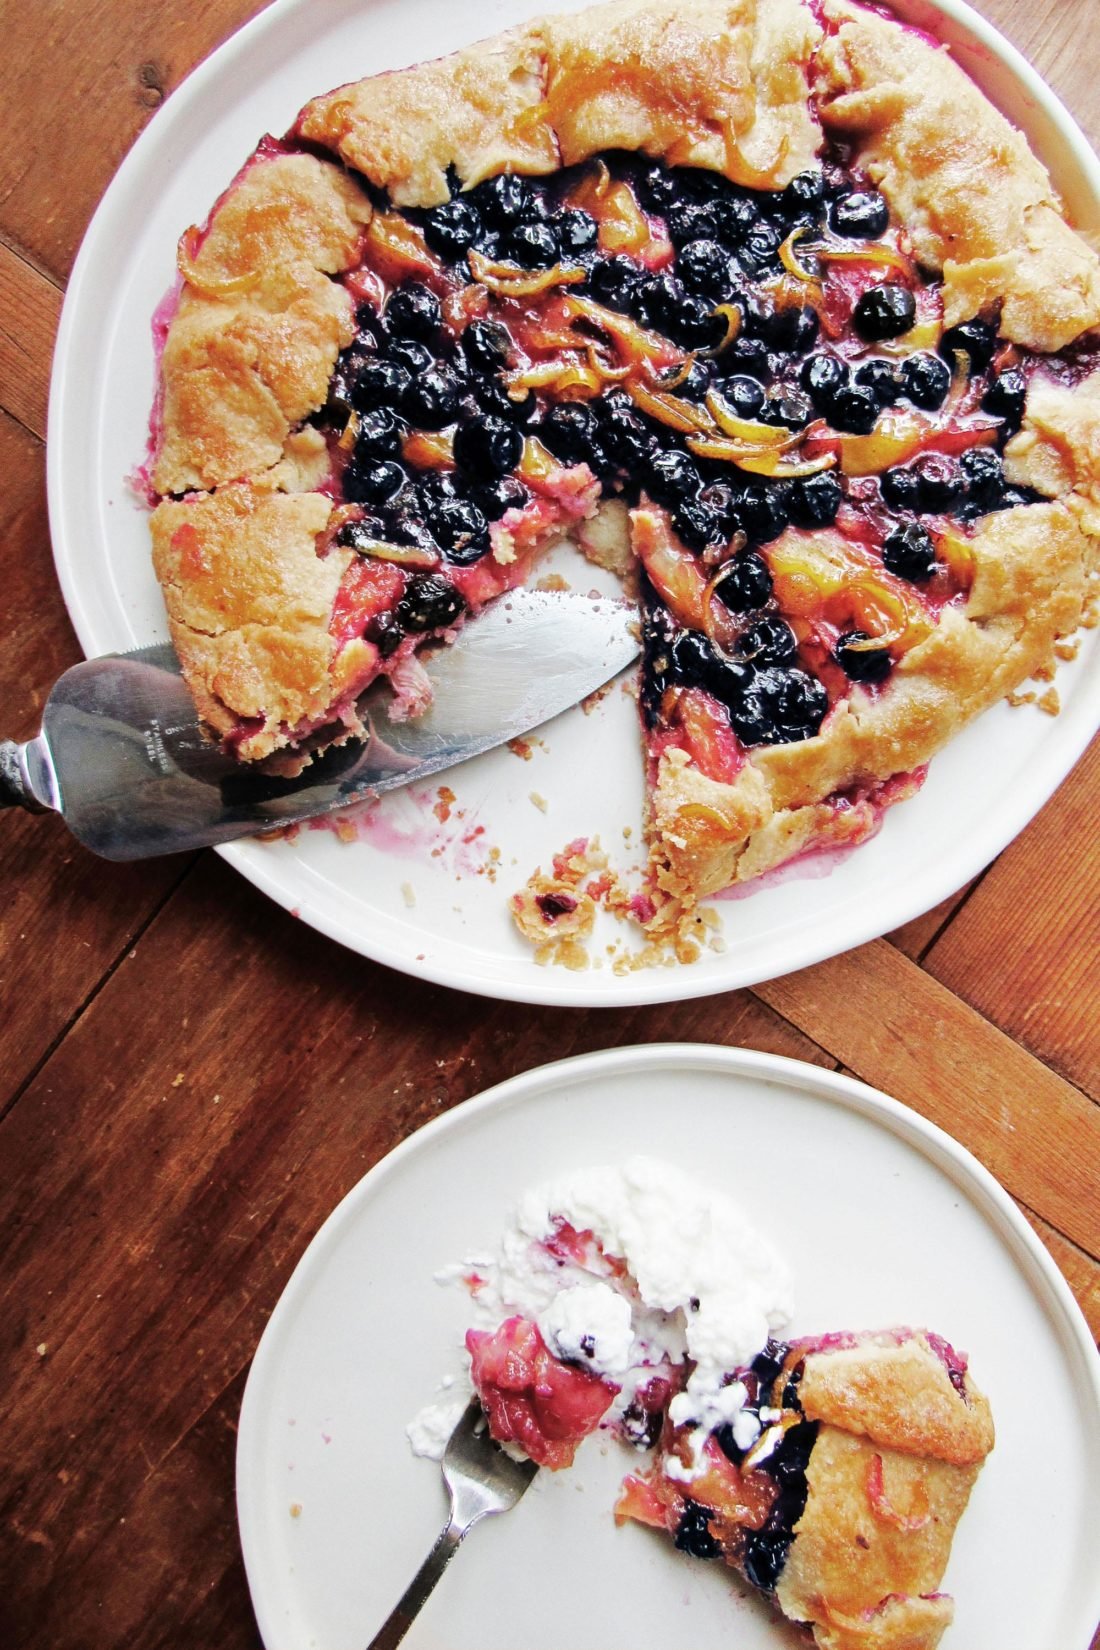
point(123, 758)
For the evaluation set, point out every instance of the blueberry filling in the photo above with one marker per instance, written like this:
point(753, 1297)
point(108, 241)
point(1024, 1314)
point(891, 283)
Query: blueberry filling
point(440, 427)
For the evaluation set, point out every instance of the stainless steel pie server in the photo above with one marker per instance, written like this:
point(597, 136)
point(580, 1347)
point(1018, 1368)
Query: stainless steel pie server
point(123, 758)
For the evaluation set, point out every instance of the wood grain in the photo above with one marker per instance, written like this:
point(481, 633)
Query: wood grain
point(30, 308)
point(61, 927)
point(900, 1030)
point(1025, 949)
point(192, 1080)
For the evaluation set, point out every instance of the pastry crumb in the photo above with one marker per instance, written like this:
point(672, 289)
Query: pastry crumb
point(42, 1349)
point(1050, 702)
point(553, 581)
point(1068, 649)
point(408, 894)
point(521, 748)
point(540, 802)
point(295, 1509)
point(596, 697)
point(446, 800)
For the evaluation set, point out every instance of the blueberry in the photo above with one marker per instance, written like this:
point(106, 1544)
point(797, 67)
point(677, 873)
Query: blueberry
point(909, 552)
point(765, 1555)
point(761, 244)
point(534, 245)
point(815, 501)
point(413, 312)
point(695, 384)
point(978, 339)
point(613, 281)
point(941, 484)
point(672, 477)
point(796, 701)
point(693, 1532)
point(408, 353)
point(721, 500)
point(451, 229)
point(863, 215)
point(384, 630)
point(359, 535)
point(748, 355)
point(745, 395)
point(460, 530)
point(430, 602)
point(487, 447)
point(747, 583)
point(374, 483)
point(706, 268)
point(792, 330)
point(379, 384)
point(901, 489)
point(407, 526)
point(871, 664)
point(764, 511)
point(577, 232)
point(571, 433)
point(925, 380)
point(689, 220)
point(622, 432)
point(767, 642)
point(495, 498)
point(379, 434)
point(823, 376)
point(884, 311)
point(854, 410)
point(696, 662)
point(493, 399)
point(431, 400)
point(657, 188)
point(804, 194)
point(880, 377)
point(696, 525)
point(1006, 396)
point(738, 219)
point(787, 406)
point(486, 346)
point(693, 323)
point(506, 200)
point(984, 474)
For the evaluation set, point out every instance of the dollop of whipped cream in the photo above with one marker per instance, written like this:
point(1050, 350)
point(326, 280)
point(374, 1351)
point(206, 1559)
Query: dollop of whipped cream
point(683, 1276)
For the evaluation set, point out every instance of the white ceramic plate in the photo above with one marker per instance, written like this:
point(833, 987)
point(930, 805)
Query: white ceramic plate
point(980, 792)
point(886, 1220)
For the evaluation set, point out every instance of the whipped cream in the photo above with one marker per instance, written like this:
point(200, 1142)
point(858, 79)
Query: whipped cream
point(701, 1284)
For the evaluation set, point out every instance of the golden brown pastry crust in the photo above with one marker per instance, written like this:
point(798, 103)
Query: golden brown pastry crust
point(976, 202)
point(724, 84)
point(717, 83)
point(897, 1453)
point(1030, 566)
point(251, 347)
point(249, 603)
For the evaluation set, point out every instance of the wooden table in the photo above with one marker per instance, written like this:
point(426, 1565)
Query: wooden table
point(190, 1080)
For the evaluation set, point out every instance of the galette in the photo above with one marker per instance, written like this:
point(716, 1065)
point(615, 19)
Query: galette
point(761, 301)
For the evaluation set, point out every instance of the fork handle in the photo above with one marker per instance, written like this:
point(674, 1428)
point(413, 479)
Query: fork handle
point(415, 1596)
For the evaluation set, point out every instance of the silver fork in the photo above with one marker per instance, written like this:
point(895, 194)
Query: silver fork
point(481, 1480)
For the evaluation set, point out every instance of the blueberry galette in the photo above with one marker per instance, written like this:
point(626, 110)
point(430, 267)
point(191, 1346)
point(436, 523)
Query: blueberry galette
point(762, 301)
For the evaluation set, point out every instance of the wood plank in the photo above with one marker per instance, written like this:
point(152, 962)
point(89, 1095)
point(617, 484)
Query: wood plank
point(126, 60)
point(65, 917)
point(903, 1032)
point(30, 309)
point(1080, 1271)
point(913, 938)
point(1024, 949)
point(232, 1080)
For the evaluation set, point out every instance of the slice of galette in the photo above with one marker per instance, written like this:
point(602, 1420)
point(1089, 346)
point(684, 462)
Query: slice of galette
point(763, 302)
point(837, 1485)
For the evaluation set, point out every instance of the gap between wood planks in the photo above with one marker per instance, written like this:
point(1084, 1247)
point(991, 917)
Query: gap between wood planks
point(30, 310)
